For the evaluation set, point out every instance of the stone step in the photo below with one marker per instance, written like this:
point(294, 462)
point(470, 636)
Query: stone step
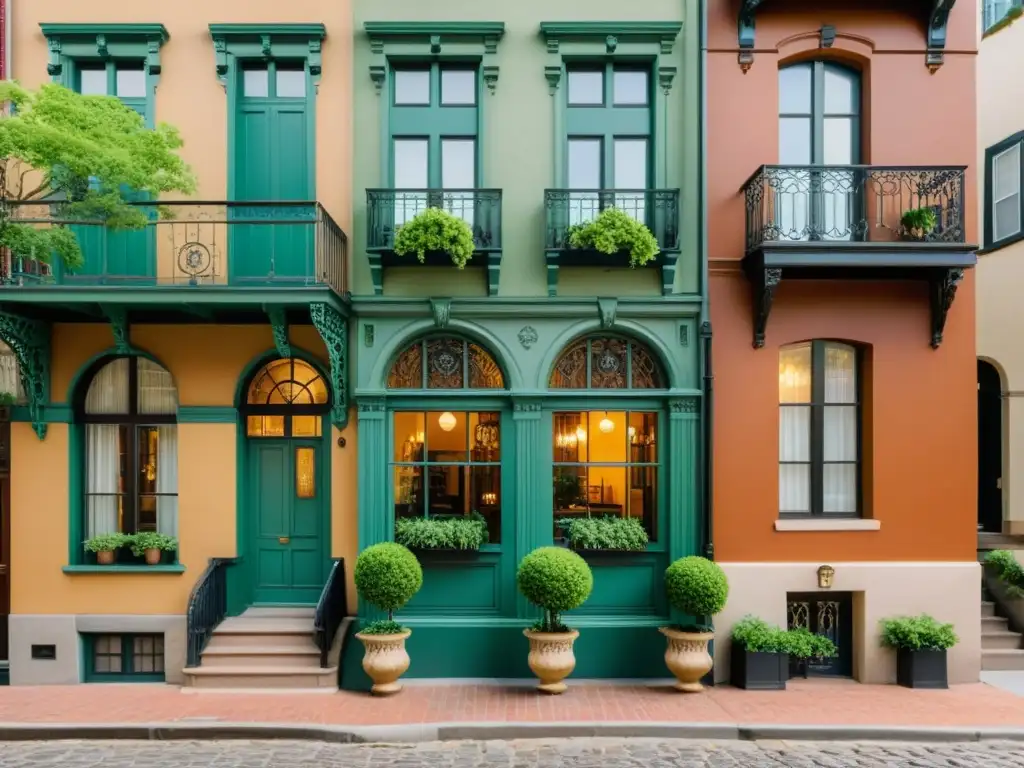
point(1002, 659)
point(280, 612)
point(988, 608)
point(994, 624)
point(233, 678)
point(307, 657)
point(1000, 640)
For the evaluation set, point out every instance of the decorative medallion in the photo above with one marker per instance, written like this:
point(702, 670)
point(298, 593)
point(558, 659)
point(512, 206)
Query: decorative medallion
point(194, 259)
point(528, 336)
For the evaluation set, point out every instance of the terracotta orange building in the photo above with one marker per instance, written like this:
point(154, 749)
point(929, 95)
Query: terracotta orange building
point(839, 153)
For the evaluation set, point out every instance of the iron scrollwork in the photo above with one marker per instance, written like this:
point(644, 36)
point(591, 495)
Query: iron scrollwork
point(279, 327)
point(942, 292)
point(29, 340)
point(333, 329)
point(764, 294)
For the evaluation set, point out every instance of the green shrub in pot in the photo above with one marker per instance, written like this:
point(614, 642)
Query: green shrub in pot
point(699, 588)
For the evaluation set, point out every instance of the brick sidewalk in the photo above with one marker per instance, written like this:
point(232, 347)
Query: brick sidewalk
point(806, 702)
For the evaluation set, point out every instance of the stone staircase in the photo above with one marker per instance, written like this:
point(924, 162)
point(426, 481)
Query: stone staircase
point(1001, 648)
point(264, 648)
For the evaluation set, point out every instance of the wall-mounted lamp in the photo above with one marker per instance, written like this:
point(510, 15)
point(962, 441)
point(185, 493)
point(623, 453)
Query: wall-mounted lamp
point(447, 421)
point(825, 575)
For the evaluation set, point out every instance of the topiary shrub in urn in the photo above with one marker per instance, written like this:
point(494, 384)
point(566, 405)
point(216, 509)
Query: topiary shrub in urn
point(697, 587)
point(555, 580)
point(435, 230)
point(387, 576)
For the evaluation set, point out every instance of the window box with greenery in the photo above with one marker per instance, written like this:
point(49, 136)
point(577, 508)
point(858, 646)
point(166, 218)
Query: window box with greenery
point(612, 239)
point(921, 643)
point(604, 534)
point(7, 401)
point(105, 546)
point(759, 658)
point(804, 646)
point(555, 580)
point(436, 236)
point(387, 576)
point(698, 588)
point(918, 224)
point(442, 533)
point(152, 546)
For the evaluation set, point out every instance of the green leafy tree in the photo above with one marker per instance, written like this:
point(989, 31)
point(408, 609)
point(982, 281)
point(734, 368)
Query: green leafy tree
point(80, 157)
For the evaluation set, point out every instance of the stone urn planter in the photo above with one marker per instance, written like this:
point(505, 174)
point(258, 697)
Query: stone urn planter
point(551, 658)
point(385, 661)
point(687, 658)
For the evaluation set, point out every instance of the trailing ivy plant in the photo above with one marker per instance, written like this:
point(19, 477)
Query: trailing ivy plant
point(918, 633)
point(435, 229)
point(1008, 571)
point(610, 532)
point(441, 532)
point(614, 230)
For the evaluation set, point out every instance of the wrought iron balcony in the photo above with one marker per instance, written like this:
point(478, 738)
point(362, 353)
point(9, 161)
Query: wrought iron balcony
point(856, 221)
point(193, 244)
point(389, 209)
point(658, 209)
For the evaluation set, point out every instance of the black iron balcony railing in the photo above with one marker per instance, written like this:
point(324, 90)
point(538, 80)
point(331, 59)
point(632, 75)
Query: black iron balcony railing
point(658, 209)
point(837, 204)
point(388, 209)
point(194, 243)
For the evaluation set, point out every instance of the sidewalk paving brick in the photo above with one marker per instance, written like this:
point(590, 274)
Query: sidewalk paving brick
point(811, 702)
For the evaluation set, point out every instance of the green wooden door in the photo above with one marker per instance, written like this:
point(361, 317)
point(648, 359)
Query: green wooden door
point(288, 507)
point(272, 152)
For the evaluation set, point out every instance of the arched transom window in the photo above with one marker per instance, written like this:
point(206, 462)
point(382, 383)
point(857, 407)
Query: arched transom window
point(131, 448)
point(286, 398)
point(445, 362)
point(607, 363)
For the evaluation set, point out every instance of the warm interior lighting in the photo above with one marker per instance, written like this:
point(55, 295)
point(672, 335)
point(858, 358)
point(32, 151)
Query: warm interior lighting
point(581, 434)
point(606, 425)
point(447, 421)
point(632, 432)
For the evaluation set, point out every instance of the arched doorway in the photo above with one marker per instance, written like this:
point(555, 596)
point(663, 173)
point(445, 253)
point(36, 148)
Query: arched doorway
point(990, 449)
point(286, 508)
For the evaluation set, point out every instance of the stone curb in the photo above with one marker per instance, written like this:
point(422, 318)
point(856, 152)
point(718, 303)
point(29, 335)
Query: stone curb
point(341, 734)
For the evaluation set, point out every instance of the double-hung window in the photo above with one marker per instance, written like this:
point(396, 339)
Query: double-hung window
point(1004, 203)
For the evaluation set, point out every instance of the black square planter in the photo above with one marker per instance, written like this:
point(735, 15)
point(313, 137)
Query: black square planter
point(921, 669)
point(755, 671)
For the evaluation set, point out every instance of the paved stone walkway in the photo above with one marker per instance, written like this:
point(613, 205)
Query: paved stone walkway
point(581, 753)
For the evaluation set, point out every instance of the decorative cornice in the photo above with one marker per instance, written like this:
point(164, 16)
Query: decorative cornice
point(487, 33)
point(268, 41)
point(612, 34)
point(94, 41)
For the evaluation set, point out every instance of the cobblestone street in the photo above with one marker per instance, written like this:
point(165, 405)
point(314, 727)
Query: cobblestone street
point(581, 753)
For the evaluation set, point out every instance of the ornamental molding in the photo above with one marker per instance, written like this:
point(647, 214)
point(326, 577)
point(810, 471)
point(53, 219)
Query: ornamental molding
point(29, 340)
point(279, 328)
point(266, 42)
point(102, 42)
point(333, 329)
point(610, 36)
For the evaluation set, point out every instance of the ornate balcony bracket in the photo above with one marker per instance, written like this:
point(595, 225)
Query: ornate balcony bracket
point(279, 327)
point(938, 19)
point(942, 291)
point(745, 32)
point(441, 309)
point(29, 340)
point(334, 331)
point(765, 281)
point(120, 327)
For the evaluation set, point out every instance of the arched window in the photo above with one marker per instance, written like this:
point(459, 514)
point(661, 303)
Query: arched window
point(129, 411)
point(286, 398)
point(606, 461)
point(819, 430)
point(445, 362)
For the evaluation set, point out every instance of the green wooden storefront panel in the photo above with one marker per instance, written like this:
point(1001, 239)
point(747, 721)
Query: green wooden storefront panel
point(459, 587)
point(626, 585)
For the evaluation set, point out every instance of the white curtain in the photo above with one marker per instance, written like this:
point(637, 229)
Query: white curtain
point(840, 430)
point(158, 396)
point(103, 471)
point(10, 376)
point(795, 428)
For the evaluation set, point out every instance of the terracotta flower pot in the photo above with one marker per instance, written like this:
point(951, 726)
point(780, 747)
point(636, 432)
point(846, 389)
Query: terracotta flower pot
point(153, 556)
point(385, 660)
point(105, 557)
point(551, 658)
point(687, 658)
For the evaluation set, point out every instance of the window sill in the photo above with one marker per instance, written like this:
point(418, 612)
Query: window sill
point(807, 524)
point(115, 569)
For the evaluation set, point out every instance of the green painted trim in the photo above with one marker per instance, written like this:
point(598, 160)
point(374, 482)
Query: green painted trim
point(122, 569)
point(111, 353)
point(54, 413)
point(449, 31)
point(207, 414)
point(248, 31)
point(158, 296)
point(678, 305)
point(625, 31)
point(90, 676)
point(108, 30)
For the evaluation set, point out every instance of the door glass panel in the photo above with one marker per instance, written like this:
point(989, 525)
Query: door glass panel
point(458, 87)
point(584, 173)
point(631, 173)
point(795, 141)
point(795, 90)
point(256, 83)
point(92, 82)
point(840, 92)
point(412, 87)
point(306, 426)
point(792, 201)
point(305, 472)
point(586, 87)
point(629, 87)
point(291, 83)
point(458, 171)
point(838, 194)
point(410, 173)
point(265, 426)
point(131, 83)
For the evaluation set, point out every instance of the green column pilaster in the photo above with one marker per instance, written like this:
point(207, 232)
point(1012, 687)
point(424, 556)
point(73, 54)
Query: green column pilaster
point(683, 473)
point(376, 522)
point(533, 486)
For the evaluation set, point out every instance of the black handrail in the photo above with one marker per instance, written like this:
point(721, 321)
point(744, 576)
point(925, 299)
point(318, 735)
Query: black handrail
point(331, 610)
point(207, 607)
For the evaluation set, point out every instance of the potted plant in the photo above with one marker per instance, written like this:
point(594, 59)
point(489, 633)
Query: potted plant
point(104, 545)
point(918, 223)
point(604, 534)
point(698, 588)
point(804, 646)
point(461, 533)
point(7, 399)
point(555, 580)
point(921, 643)
point(387, 576)
point(613, 231)
point(435, 230)
point(152, 546)
point(759, 659)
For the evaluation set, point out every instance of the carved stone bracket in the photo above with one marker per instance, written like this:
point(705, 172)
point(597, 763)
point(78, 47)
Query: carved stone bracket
point(119, 326)
point(491, 77)
point(665, 77)
point(333, 329)
point(683, 406)
point(279, 327)
point(234, 42)
point(745, 32)
point(765, 281)
point(377, 74)
point(441, 309)
point(554, 77)
point(82, 42)
point(29, 340)
point(938, 19)
point(607, 309)
point(942, 291)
